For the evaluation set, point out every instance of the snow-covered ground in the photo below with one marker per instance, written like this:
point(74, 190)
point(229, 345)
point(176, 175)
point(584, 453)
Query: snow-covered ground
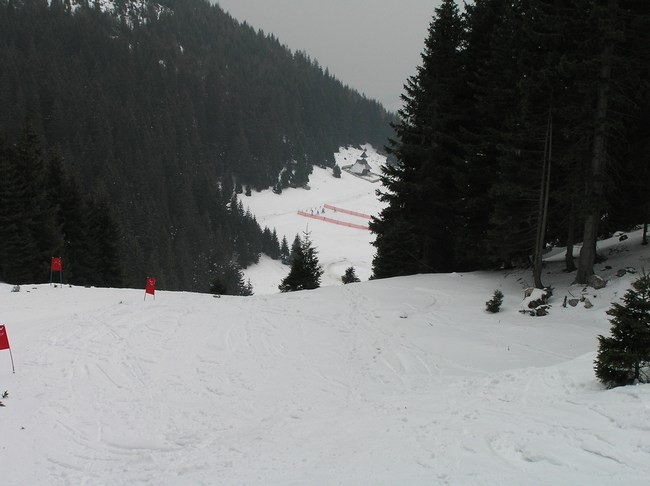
point(404, 381)
point(339, 247)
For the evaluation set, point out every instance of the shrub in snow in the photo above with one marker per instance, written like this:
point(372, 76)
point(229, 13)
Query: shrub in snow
point(350, 276)
point(494, 304)
point(624, 357)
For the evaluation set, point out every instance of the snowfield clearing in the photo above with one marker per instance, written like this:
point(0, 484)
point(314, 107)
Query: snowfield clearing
point(398, 381)
point(404, 381)
point(338, 247)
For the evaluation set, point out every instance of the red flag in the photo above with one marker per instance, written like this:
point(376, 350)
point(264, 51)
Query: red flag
point(151, 286)
point(4, 340)
point(56, 264)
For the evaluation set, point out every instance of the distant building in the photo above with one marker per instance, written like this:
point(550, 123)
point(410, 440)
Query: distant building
point(361, 166)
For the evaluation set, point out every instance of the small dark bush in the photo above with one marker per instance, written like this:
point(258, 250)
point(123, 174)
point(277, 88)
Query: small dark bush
point(494, 304)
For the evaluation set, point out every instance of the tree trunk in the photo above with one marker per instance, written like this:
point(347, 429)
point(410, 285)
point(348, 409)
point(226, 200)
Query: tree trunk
point(644, 240)
point(543, 205)
point(570, 239)
point(595, 182)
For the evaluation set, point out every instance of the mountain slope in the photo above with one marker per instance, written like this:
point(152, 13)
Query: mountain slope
point(166, 116)
point(397, 381)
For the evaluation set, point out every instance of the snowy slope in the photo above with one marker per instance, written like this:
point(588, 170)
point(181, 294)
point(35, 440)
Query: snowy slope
point(339, 247)
point(404, 381)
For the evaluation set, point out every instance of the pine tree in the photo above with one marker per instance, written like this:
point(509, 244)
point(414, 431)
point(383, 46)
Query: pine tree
point(105, 240)
point(421, 187)
point(229, 280)
point(275, 245)
point(305, 270)
point(494, 304)
point(295, 248)
point(350, 276)
point(624, 358)
point(17, 246)
point(285, 253)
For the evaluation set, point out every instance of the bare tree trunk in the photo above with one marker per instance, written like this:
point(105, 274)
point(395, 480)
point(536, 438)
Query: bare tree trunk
point(595, 182)
point(543, 205)
point(570, 239)
point(644, 240)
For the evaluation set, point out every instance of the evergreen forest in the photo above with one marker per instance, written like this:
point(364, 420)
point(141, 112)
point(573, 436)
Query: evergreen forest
point(158, 122)
point(526, 125)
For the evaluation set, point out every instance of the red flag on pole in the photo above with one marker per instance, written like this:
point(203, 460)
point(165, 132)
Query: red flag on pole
point(4, 344)
point(150, 287)
point(56, 264)
point(4, 340)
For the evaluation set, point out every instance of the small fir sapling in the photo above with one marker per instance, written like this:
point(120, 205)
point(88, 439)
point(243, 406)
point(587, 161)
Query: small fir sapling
point(350, 276)
point(494, 304)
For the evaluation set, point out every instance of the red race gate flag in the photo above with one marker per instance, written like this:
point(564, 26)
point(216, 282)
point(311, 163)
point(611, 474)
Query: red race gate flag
point(4, 344)
point(150, 287)
point(56, 264)
point(4, 340)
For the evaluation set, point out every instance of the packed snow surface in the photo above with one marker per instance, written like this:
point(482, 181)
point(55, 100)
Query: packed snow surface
point(404, 381)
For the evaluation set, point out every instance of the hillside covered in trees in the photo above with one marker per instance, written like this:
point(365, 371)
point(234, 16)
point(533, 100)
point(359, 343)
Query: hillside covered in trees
point(158, 113)
point(526, 125)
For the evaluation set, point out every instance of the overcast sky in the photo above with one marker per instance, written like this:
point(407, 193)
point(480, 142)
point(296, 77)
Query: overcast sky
point(371, 45)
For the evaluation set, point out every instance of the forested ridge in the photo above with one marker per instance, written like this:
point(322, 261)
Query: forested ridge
point(160, 117)
point(526, 125)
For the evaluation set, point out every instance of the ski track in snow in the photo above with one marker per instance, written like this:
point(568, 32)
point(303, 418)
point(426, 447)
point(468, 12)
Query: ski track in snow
point(342, 385)
point(400, 381)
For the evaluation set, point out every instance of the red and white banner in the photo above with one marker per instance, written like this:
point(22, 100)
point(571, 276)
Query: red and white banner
point(347, 211)
point(4, 340)
point(56, 266)
point(331, 220)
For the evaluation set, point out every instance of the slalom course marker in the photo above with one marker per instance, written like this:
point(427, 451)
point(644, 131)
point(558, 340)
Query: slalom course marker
point(4, 344)
point(56, 266)
point(150, 288)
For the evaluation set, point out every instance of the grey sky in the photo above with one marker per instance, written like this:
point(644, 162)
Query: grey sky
point(371, 45)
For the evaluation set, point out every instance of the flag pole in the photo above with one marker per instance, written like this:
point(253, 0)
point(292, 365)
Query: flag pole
point(13, 368)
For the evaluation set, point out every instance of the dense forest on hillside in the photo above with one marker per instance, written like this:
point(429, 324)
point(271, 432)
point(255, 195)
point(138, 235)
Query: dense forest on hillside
point(526, 125)
point(164, 114)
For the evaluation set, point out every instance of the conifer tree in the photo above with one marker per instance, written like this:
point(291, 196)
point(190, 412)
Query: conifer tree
point(415, 231)
point(285, 253)
point(350, 276)
point(295, 248)
point(17, 246)
point(305, 270)
point(624, 357)
point(229, 280)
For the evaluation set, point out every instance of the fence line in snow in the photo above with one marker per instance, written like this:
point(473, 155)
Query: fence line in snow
point(331, 220)
point(347, 211)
